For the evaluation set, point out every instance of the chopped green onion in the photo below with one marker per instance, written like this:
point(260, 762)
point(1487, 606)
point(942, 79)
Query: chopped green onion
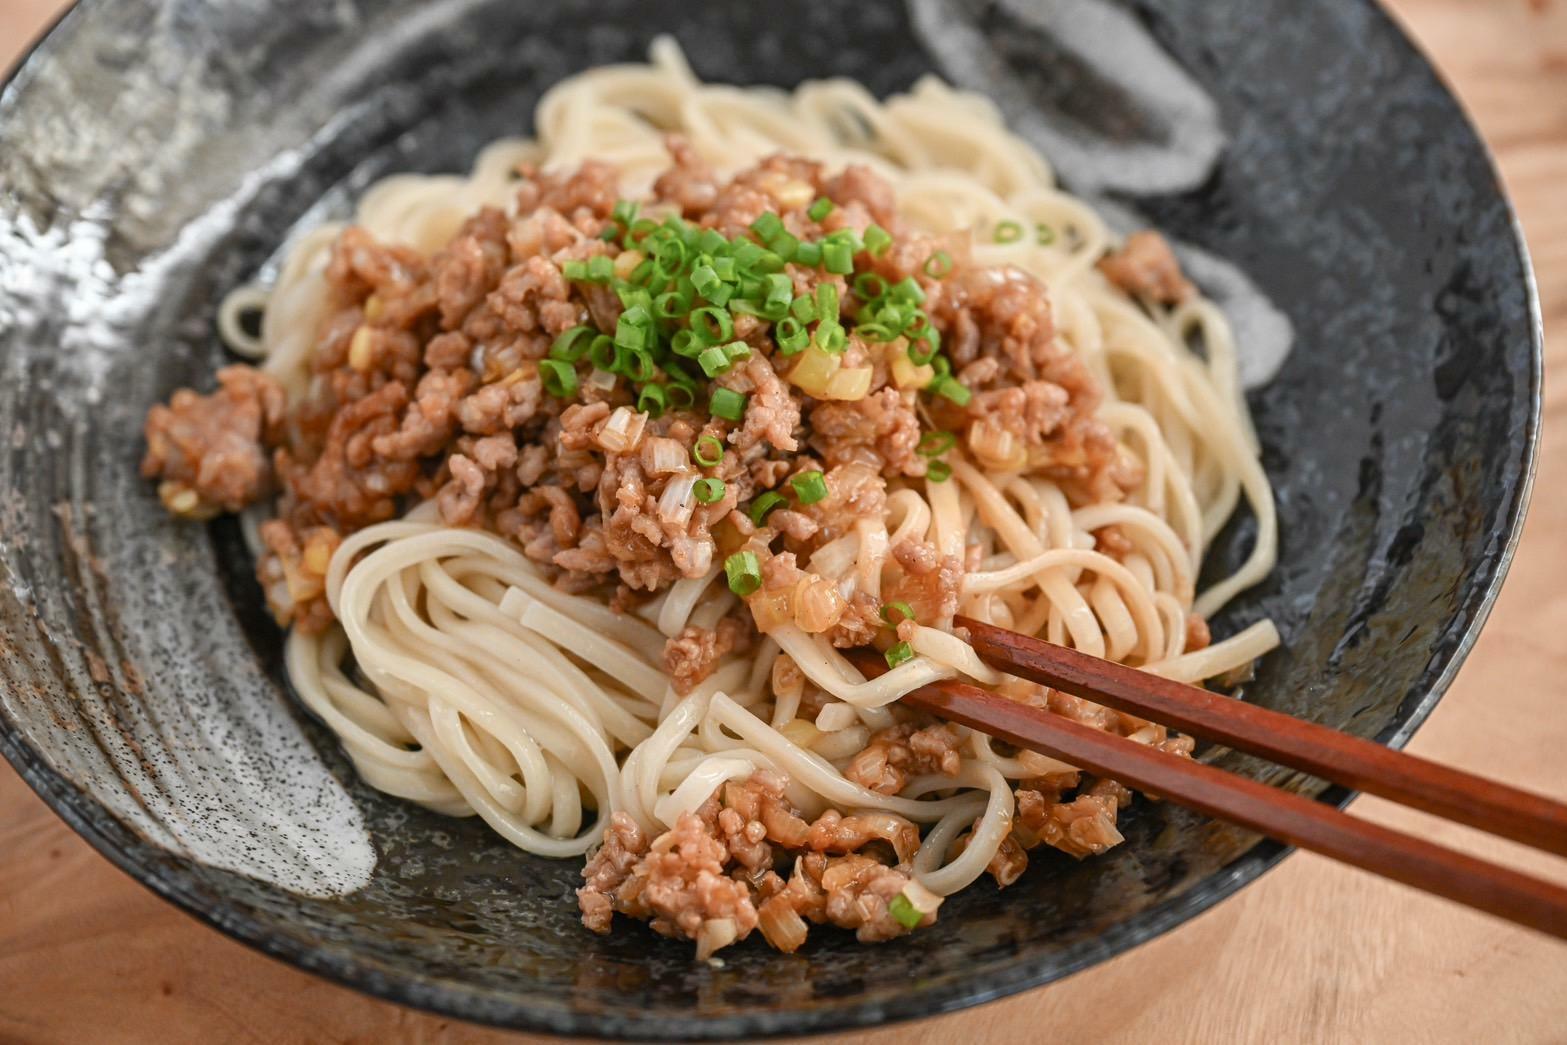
point(764, 504)
point(713, 361)
point(653, 400)
point(638, 365)
point(875, 332)
point(603, 354)
point(791, 336)
point(711, 241)
point(938, 264)
point(1008, 232)
point(744, 573)
point(938, 471)
point(809, 487)
point(572, 344)
point(934, 444)
point(686, 343)
point(709, 491)
point(899, 653)
point(767, 226)
point(559, 378)
point(625, 213)
point(827, 301)
point(708, 450)
point(899, 907)
point(600, 268)
point(951, 388)
point(576, 271)
point(808, 254)
point(706, 281)
point(737, 351)
point(609, 232)
point(712, 325)
point(727, 404)
point(837, 258)
point(780, 291)
point(1044, 235)
point(671, 305)
point(633, 328)
point(820, 209)
point(680, 395)
point(803, 308)
point(784, 245)
point(908, 291)
point(767, 262)
point(877, 240)
point(902, 609)
point(869, 286)
point(830, 336)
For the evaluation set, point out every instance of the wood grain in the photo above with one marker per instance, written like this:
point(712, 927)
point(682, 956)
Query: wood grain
point(1314, 952)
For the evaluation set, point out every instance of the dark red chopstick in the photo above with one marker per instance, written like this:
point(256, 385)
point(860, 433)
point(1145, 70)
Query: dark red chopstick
point(1348, 760)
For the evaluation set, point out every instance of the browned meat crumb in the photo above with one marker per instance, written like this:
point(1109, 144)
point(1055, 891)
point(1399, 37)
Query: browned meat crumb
point(692, 655)
point(895, 753)
point(1146, 267)
point(210, 452)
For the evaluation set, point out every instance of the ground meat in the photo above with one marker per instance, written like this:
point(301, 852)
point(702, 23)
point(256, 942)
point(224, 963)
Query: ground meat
point(852, 892)
point(1082, 827)
point(880, 430)
point(210, 452)
point(928, 582)
point(897, 752)
point(689, 183)
point(292, 573)
point(624, 846)
point(1146, 267)
point(692, 655)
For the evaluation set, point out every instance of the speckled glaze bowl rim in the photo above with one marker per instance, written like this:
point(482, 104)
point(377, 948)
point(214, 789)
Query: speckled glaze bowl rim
point(450, 998)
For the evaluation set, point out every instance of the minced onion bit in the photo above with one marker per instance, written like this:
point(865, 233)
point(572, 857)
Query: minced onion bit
point(681, 285)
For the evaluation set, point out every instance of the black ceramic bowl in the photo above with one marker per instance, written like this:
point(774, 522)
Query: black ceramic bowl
point(153, 153)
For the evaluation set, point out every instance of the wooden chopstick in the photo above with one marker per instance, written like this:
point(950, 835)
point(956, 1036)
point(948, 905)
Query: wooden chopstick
point(1339, 757)
point(1283, 815)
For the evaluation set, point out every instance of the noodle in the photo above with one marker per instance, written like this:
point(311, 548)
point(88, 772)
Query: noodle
point(479, 687)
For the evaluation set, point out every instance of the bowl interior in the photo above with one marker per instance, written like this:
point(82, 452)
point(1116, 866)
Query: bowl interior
point(156, 152)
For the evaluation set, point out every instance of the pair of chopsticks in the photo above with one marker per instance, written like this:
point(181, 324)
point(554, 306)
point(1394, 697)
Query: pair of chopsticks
point(1290, 818)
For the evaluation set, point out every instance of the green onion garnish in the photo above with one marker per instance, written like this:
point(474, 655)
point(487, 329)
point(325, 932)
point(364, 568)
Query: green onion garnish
point(600, 268)
point(576, 271)
point(652, 400)
point(820, 209)
point(837, 258)
point(830, 336)
point(903, 610)
point(764, 504)
point(727, 404)
point(737, 351)
point(558, 377)
point(686, 343)
point(869, 286)
point(638, 365)
point(908, 291)
point(712, 325)
point(603, 354)
point(1008, 232)
point(680, 396)
point(953, 389)
point(713, 361)
point(791, 335)
point(899, 653)
point(1044, 235)
point(784, 245)
point(827, 302)
point(625, 213)
point(938, 471)
point(780, 292)
point(743, 572)
point(572, 344)
point(671, 305)
point(708, 450)
point(934, 444)
point(808, 254)
point(877, 240)
point(709, 491)
point(907, 914)
point(803, 308)
point(767, 226)
point(938, 264)
point(809, 487)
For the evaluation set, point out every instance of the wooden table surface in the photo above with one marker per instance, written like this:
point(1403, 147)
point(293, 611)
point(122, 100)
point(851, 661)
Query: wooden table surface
point(1312, 952)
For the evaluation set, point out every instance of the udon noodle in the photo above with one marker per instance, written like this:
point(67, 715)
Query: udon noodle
point(458, 675)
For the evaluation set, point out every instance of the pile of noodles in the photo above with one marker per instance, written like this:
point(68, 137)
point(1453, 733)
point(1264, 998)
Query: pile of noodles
point(479, 688)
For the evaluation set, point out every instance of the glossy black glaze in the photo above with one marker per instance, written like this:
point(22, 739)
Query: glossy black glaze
point(1399, 435)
